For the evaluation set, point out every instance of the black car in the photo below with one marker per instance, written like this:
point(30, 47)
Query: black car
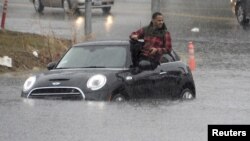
point(242, 10)
point(72, 5)
point(106, 70)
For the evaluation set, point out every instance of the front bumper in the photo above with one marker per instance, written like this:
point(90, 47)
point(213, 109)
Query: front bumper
point(66, 93)
point(97, 4)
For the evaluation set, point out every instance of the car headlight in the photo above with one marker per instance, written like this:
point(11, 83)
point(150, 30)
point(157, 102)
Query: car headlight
point(28, 84)
point(96, 82)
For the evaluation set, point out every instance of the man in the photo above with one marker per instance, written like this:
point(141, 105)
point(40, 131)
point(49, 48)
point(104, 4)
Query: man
point(157, 40)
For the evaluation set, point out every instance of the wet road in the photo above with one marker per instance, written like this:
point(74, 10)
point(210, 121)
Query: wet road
point(222, 75)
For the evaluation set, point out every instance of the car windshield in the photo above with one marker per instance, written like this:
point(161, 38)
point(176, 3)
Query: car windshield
point(94, 57)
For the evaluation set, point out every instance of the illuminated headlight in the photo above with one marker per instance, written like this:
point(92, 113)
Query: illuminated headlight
point(28, 84)
point(96, 82)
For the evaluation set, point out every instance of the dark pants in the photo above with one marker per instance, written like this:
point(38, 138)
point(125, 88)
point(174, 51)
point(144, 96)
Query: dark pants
point(153, 63)
point(137, 57)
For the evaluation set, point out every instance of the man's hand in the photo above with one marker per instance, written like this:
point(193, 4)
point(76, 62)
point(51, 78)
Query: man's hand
point(134, 37)
point(152, 51)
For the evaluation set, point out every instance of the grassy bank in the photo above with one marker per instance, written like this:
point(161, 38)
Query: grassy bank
point(20, 47)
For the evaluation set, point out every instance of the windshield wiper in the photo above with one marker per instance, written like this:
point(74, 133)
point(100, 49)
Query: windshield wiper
point(81, 67)
point(94, 67)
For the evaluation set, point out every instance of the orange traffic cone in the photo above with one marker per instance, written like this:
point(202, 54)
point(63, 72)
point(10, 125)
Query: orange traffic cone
point(191, 60)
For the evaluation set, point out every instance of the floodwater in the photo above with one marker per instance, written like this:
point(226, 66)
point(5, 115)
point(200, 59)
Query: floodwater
point(222, 82)
point(222, 98)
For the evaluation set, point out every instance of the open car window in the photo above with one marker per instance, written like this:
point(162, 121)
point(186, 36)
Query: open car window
point(170, 57)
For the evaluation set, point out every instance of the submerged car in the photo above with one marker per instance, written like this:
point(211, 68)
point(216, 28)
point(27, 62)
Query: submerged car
point(106, 70)
point(72, 5)
point(241, 9)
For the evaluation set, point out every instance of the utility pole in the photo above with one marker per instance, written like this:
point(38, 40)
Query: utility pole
point(155, 6)
point(88, 17)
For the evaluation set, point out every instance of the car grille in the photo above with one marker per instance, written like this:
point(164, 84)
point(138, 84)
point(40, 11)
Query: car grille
point(57, 93)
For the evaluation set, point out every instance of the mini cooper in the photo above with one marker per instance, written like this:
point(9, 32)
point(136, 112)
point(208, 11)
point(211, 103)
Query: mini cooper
point(106, 70)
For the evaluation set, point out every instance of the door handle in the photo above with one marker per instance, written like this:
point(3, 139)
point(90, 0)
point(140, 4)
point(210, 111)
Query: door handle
point(163, 72)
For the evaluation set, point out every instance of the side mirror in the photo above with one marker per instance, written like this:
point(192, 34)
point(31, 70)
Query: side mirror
point(51, 65)
point(145, 65)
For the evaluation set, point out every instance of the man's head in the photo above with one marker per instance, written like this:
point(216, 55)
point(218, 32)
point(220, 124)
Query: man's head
point(157, 20)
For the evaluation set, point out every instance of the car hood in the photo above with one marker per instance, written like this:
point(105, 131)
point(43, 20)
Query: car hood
point(73, 78)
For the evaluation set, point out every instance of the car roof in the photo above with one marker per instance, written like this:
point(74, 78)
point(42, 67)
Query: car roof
point(103, 43)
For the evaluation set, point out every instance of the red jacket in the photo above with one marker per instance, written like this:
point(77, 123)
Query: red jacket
point(154, 38)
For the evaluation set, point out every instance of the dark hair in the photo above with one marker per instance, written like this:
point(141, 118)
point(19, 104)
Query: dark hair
point(156, 14)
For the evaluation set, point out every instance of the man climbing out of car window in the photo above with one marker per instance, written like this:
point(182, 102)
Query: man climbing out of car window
point(157, 40)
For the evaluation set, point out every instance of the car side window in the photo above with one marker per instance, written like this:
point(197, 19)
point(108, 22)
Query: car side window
point(170, 57)
point(166, 58)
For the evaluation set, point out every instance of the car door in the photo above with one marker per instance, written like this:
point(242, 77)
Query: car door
point(159, 83)
point(168, 77)
point(143, 84)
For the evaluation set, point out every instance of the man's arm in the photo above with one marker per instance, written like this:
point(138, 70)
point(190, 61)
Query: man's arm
point(139, 34)
point(167, 46)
